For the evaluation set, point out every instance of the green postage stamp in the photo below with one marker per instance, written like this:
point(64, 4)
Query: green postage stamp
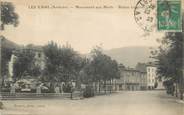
point(169, 15)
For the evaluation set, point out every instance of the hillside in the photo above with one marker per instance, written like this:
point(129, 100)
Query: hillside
point(5, 43)
point(130, 56)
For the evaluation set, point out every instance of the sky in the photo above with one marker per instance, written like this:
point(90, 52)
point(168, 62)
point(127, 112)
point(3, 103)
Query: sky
point(82, 28)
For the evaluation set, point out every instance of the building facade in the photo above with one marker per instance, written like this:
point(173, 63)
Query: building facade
point(131, 79)
point(40, 59)
point(151, 76)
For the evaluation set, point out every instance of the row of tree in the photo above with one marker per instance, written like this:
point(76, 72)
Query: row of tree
point(100, 69)
point(63, 64)
point(8, 17)
point(170, 59)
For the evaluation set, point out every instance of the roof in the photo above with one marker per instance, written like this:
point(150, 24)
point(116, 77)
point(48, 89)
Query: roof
point(141, 67)
point(132, 70)
point(152, 64)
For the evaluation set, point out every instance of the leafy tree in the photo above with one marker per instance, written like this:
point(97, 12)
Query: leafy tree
point(6, 53)
point(87, 73)
point(63, 64)
point(71, 62)
point(24, 64)
point(51, 51)
point(101, 68)
point(170, 59)
point(8, 15)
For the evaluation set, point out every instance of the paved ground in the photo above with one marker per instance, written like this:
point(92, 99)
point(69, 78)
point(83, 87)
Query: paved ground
point(123, 103)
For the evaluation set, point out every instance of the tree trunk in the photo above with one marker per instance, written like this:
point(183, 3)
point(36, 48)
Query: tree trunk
point(105, 86)
point(172, 90)
point(2, 82)
point(176, 89)
point(0, 67)
point(99, 86)
point(1, 105)
point(110, 86)
point(71, 95)
point(181, 95)
point(52, 87)
point(95, 86)
point(2, 27)
point(181, 87)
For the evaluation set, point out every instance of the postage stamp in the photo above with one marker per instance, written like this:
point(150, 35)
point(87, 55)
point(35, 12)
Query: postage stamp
point(169, 16)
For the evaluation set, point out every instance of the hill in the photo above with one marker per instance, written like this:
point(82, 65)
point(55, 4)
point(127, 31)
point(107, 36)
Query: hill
point(5, 43)
point(130, 56)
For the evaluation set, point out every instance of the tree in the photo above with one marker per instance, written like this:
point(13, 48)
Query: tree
point(8, 15)
point(6, 52)
point(24, 64)
point(63, 64)
point(86, 74)
point(101, 68)
point(170, 59)
point(51, 51)
point(71, 63)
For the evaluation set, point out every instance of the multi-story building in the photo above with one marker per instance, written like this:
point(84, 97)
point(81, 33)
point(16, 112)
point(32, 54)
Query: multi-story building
point(40, 59)
point(131, 79)
point(143, 81)
point(152, 77)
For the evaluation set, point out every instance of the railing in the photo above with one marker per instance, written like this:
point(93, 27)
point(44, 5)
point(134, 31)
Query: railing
point(7, 96)
point(26, 96)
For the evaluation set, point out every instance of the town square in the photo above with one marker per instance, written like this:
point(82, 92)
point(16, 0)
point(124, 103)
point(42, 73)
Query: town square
point(88, 58)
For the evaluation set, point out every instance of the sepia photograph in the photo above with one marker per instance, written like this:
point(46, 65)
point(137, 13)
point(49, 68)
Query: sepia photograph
point(92, 57)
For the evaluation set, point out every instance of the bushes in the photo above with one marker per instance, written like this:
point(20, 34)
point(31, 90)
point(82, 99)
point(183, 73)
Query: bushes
point(88, 92)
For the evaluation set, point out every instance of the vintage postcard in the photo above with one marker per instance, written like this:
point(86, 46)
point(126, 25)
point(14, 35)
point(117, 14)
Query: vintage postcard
point(91, 57)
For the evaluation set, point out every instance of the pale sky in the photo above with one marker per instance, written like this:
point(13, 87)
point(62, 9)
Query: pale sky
point(82, 28)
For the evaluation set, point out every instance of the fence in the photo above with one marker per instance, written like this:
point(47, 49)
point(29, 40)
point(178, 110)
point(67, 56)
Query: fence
point(12, 96)
point(27, 96)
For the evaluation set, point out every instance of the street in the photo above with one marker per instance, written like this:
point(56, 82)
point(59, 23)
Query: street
point(121, 103)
